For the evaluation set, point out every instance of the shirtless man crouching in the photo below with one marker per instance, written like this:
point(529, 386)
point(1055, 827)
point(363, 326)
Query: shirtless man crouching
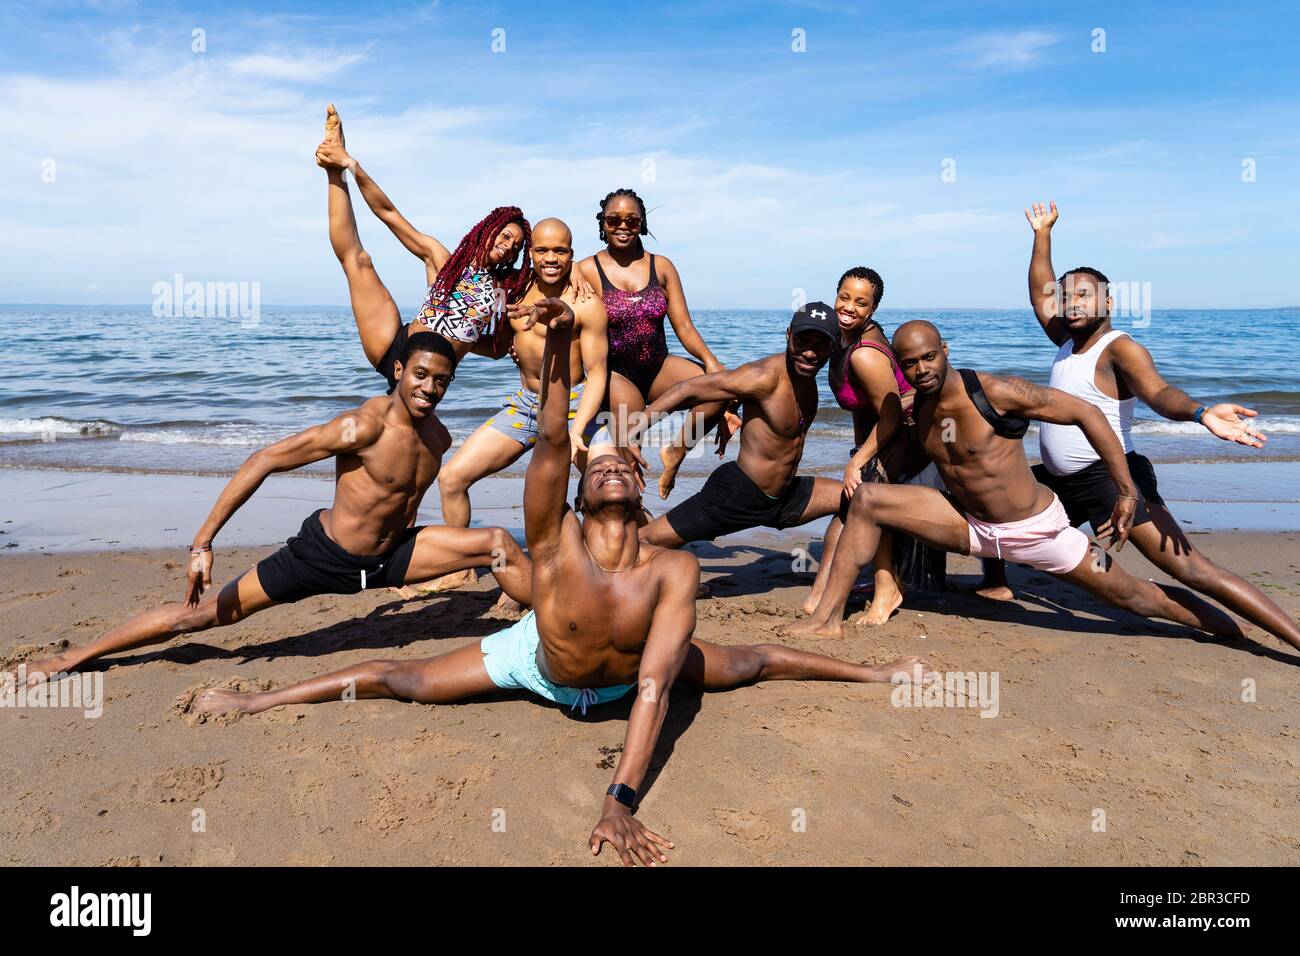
point(611, 615)
point(386, 455)
point(971, 424)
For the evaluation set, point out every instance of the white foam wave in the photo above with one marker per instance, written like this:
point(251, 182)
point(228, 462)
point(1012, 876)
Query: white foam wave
point(57, 426)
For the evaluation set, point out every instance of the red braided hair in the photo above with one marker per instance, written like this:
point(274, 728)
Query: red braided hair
point(472, 250)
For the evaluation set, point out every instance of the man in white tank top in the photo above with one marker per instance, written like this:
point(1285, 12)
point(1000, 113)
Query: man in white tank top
point(1107, 368)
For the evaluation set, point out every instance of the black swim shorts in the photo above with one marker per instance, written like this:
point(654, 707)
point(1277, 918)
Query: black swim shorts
point(312, 563)
point(1089, 494)
point(731, 502)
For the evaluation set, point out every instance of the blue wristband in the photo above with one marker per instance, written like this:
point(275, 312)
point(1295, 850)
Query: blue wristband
point(1199, 414)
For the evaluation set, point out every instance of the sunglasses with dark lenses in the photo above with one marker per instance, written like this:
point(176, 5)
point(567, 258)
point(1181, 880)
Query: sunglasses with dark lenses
point(613, 222)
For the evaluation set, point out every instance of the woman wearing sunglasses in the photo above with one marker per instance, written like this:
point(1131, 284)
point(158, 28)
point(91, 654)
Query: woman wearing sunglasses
point(640, 290)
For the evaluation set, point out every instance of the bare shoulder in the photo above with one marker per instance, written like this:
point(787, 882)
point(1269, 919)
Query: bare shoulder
point(677, 569)
point(368, 420)
point(590, 310)
point(664, 266)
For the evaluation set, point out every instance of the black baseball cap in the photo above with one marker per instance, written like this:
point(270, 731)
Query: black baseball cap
point(817, 316)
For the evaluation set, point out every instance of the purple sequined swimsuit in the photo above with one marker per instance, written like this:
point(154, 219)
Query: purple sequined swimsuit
point(637, 347)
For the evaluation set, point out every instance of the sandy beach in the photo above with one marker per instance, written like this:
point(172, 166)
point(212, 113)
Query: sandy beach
point(1115, 742)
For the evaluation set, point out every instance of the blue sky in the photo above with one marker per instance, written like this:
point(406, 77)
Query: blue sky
point(766, 170)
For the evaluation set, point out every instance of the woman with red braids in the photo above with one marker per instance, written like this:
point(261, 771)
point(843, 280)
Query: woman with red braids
point(468, 288)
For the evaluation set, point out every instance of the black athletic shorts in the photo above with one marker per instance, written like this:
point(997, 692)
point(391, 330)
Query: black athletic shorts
point(312, 563)
point(385, 365)
point(1089, 494)
point(731, 502)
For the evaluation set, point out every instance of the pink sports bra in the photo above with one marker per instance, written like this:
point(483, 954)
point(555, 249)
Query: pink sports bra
point(846, 391)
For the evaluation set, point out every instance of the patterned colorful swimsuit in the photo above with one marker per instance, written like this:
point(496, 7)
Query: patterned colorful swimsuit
point(637, 346)
point(469, 313)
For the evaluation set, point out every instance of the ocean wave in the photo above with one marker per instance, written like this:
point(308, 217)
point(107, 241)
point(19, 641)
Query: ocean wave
point(53, 425)
point(1265, 424)
point(245, 435)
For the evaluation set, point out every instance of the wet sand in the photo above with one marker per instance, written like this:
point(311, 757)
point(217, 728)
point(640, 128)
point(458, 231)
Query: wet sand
point(1101, 719)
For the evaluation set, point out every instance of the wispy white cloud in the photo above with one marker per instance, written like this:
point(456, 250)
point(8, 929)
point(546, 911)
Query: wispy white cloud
point(1008, 51)
point(307, 66)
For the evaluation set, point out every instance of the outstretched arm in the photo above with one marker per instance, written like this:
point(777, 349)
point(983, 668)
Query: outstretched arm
point(680, 317)
point(1043, 294)
point(1022, 397)
point(661, 662)
point(546, 483)
point(350, 432)
point(1134, 364)
point(750, 381)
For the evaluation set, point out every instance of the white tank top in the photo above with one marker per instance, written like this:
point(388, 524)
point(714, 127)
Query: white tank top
point(1065, 448)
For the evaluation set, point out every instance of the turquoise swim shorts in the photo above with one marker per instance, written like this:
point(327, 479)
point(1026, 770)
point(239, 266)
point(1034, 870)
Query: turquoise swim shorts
point(510, 657)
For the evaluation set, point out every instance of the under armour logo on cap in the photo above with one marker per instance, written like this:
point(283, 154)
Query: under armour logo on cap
point(816, 316)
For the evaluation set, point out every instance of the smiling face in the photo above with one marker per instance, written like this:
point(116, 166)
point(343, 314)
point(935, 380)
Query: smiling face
point(854, 304)
point(609, 483)
point(1085, 302)
point(422, 382)
point(505, 245)
point(622, 220)
point(807, 351)
point(922, 355)
point(552, 251)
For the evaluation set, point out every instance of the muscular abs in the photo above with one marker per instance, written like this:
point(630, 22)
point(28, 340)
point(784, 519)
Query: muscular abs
point(988, 474)
point(377, 491)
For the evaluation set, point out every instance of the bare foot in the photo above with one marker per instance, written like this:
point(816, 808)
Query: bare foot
point(810, 603)
point(671, 457)
point(993, 592)
point(813, 627)
point(38, 672)
point(334, 126)
point(917, 670)
point(216, 702)
point(506, 608)
point(331, 153)
point(448, 582)
point(883, 605)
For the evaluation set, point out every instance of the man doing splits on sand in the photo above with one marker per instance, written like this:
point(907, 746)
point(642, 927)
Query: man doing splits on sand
point(611, 615)
point(386, 455)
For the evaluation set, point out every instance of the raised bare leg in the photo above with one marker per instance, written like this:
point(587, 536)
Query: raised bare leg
point(701, 420)
point(433, 680)
point(377, 316)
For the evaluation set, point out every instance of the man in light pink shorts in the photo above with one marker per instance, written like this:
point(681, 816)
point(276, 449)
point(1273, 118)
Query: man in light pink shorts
point(1047, 541)
point(971, 425)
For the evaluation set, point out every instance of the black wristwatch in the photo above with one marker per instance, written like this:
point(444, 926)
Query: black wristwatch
point(623, 794)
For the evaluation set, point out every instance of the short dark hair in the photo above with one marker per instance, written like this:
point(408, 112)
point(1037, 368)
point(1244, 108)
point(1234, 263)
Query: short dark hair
point(870, 275)
point(427, 342)
point(1087, 271)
